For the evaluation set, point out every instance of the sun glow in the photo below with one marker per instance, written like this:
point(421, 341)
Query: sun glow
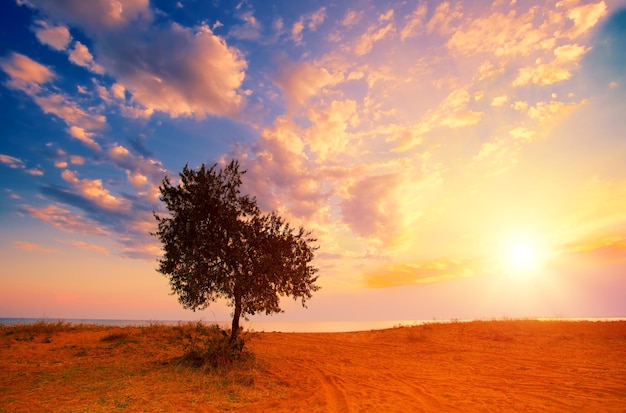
point(523, 256)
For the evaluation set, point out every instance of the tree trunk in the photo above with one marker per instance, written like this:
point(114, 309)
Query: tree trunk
point(234, 332)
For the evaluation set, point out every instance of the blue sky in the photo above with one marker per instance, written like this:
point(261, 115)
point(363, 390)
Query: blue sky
point(454, 159)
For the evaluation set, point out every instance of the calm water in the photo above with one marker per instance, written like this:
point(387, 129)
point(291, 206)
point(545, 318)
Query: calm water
point(287, 327)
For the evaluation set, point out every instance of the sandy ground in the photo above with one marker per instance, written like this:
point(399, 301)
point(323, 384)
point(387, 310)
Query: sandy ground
point(486, 366)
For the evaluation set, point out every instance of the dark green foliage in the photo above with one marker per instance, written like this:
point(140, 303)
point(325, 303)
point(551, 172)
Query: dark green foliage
point(217, 244)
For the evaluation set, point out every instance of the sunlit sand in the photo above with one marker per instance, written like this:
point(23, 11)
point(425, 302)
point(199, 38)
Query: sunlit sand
point(461, 366)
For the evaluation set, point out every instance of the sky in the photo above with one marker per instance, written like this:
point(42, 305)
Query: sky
point(454, 159)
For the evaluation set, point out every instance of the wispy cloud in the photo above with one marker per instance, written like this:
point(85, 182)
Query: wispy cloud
point(30, 246)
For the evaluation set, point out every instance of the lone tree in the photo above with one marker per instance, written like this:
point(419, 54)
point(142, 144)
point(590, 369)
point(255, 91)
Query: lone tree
point(218, 244)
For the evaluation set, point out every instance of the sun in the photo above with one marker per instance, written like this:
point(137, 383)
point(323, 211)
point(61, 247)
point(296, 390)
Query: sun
point(522, 256)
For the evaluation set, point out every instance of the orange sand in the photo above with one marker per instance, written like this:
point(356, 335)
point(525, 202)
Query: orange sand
point(494, 366)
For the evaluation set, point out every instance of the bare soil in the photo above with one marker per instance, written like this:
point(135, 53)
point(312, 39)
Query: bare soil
point(490, 366)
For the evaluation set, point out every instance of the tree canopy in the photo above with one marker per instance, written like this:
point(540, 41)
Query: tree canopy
point(218, 244)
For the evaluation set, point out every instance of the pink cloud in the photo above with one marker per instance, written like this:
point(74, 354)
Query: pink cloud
point(57, 37)
point(204, 79)
point(370, 208)
point(415, 22)
point(26, 74)
point(374, 34)
point(95, 15)
point(81, 56)
point(64, 219)
point(310, 21)
point(84, 136)
point(299, 81)
point(93, 190)
point(66, 109)
point(11, 161)
point(30, 246)
point(88, 247)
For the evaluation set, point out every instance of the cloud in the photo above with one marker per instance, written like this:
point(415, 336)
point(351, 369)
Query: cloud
point(95, 15)
point(12, 162)
point(203, 79)
point(327, 135)
point(167, 68)
point(57, 37)
point(499, 101)
point(584, 17)
point(443, 18)
point(365, 42)
point(383, 205)
point(522, 133)
point(26, 74)
point(250, 30)
point(30, 246)
point(351, 18)
point(415, 22)
point(546, 111)
point(84, 136)
point(88, 247)
point(80, 55)
point(500, 34)
point(94, 191)
point(64, 219)
point(144, 173)
point(400, 274)
point(310, 21)
point(565, 58)
point(300, 80)
point(65, 108)
point(281, 175)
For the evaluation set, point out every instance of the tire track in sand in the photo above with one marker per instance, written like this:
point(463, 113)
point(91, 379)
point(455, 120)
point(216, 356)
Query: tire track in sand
point(335, 397)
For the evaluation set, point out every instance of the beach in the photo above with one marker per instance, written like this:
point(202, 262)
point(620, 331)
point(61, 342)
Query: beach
point(499, 366)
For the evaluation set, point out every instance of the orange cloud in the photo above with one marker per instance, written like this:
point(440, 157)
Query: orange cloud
point(584, 17)
point(399, 274)
point(415, 22)
point(374, 34)
point(84, 136)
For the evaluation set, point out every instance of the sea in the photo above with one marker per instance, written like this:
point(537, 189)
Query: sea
point(280, 326)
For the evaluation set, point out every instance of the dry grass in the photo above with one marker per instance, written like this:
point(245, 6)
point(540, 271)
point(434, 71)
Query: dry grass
point(510, 365)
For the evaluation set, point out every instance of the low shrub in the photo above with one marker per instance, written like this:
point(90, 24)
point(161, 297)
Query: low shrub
point(210, 345)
